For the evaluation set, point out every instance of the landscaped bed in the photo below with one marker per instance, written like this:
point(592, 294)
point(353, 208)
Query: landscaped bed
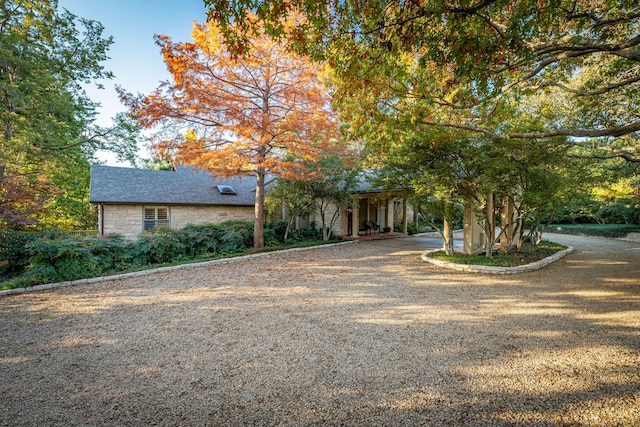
point(527, 254)
point(30, 259)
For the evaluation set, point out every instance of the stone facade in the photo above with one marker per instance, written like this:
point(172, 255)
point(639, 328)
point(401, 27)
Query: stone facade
point(128, 219)
point(340, 225)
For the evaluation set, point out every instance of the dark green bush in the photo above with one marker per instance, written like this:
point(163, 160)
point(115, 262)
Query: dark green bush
point(52, 256)
point(241, 232)
point(62, 259)
point(199, 240)
point(623, 211)
point(113, 251)
point(270, 238)
point(411, 228)
point(15, 247)
point(158, 246)
point(603, 230)
point(232, 240)
point(278, 228)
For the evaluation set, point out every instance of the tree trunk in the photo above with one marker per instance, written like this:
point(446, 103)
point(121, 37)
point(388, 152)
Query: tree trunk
point(447, 237)
point(286, 230)
point(258, 223)
point(490, 232)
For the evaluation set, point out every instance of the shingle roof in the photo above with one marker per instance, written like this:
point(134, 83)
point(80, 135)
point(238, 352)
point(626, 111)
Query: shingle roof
point(184, 186)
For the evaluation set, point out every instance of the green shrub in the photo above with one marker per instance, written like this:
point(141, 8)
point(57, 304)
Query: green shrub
point(603, 230)
point(52, 256)
point(16, 250)
point(411, 228)
point(61, 259)
point(623, 211)
point(199, 240)
point(158, 246)
point(270, 238)
point(112, 251)
point(232, 240)
point(242, 230)
point(579, 212)
point(13, 249)
point(278, 229)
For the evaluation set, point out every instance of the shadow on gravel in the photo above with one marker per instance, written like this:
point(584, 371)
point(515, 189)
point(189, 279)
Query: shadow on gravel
point(346, 336)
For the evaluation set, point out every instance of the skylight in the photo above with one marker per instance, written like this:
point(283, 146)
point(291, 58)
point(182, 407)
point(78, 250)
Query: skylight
point(226, 190)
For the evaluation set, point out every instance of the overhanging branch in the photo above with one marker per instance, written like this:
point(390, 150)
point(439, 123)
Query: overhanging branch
point(576, 133)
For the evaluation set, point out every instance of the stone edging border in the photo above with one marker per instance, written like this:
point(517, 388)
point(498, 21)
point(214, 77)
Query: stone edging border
point(160, 270)
point(484, 269)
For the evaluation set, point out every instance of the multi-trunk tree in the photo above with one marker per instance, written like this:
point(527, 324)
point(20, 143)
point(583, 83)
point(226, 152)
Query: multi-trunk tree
point(265, 112)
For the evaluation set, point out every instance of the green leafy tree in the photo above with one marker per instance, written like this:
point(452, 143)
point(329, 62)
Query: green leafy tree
point(584, 54)
point(440, 169)
point(332, 184)
point(293, 197)
point(46, 118)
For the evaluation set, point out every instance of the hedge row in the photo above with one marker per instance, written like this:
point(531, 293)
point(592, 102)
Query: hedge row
point(52, 256)
point(603, 230)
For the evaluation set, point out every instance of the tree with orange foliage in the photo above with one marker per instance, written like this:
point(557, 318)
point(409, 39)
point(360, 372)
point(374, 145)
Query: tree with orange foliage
point(265, 112)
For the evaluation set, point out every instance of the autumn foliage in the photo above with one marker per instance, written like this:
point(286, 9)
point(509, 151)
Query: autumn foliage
point(23, 200)
point(265, 112)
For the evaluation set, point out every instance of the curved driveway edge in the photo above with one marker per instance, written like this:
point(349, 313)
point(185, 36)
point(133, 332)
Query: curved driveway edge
point(160, 270)
point(497, 270)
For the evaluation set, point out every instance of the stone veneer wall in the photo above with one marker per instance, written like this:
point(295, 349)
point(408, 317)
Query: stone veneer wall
point(127, 219)
point(340, 228)
point(122, 219)
point(182, 216)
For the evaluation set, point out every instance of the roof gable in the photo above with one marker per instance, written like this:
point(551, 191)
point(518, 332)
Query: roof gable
point(182, 186)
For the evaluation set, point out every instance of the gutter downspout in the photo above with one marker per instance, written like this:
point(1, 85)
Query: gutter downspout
point(101, 233)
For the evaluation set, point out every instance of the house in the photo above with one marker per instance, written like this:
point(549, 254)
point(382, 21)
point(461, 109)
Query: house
point(133, 200)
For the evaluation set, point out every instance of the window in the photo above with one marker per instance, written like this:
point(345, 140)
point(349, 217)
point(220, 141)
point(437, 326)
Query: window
point(156, 217)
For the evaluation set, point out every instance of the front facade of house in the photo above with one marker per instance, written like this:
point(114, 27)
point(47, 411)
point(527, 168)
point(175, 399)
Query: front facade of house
point(131, 201)
point(368, 205)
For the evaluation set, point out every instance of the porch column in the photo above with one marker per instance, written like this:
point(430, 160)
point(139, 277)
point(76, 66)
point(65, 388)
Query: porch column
point(405, 228)
point(389, 219)
point(355, 217)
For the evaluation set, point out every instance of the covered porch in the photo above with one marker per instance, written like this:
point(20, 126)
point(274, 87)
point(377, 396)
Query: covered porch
point(374, 214)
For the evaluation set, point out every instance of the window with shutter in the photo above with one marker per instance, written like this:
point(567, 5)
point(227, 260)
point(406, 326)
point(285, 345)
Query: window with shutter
point(155, 217)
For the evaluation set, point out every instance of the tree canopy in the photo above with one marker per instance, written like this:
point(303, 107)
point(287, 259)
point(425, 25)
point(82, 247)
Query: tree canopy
point(266, 112)
point(470, 57)
point(47, 57)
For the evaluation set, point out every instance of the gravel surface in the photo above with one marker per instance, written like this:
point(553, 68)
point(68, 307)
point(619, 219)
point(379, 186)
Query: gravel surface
point(361, 334)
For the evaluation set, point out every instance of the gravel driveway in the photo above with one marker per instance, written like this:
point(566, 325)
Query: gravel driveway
point(360, 334)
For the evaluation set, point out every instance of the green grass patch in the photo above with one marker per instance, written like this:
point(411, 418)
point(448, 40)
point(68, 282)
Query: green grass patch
point(526, 255)
point(603, 230)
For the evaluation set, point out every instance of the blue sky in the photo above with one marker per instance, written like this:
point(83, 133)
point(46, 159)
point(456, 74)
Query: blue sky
point(135, 59)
